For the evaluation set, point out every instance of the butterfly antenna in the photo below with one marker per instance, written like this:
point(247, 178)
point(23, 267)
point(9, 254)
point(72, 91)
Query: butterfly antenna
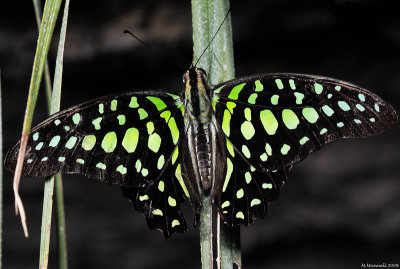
point(212, 39)
point(163, 57)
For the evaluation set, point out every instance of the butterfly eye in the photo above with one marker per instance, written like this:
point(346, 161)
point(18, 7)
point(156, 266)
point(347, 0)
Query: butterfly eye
point(202, 72)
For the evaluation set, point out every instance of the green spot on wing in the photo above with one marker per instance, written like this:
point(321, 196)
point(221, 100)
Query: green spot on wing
point(255, 202)
point(88, 142)
point(71, 142)
point(226, 121)
point(101, 166)
point(239, 215)
point(121, 169)
point(130, 139)
point(161, 186)
point(252, 98)
point(76, 118)
point(259, 86)
point(114, 105)
point(266, 186)
point(344, 106)
point(157, 102)
point(175, 222)
point(229, 170)
point(157, 212)
point(274, 99)
point(304, 140)
point(171, 201)
point(229, 146)
point(299, 97)
point(175, 155)
point(174, 130)
point(160, 162)
point(234, 94)
point(96, 123)
point(133, 103)
point(285, 149)
point(290, 119)
point(166, 115)
point(138, 165)
point(247, 176)
point(246, 151)
point(318, 88)
point(142, 113)
point(121, 119)
point(109, 142)
point(327, 110)
point(247, 130)
point(269, 121)
point(101, 108)
point(150, 127)
point(240, 193)
point(279, 83)
point(178, 175)
point(292, 85)
point(310, 114)
point(143, 197)
point(225, 204)
point(154, 142)
point(54, 141)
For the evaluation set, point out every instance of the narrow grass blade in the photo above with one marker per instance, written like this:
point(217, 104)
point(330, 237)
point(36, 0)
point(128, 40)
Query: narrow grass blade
point(47, 78)
point(45, 34)
point(55, 180)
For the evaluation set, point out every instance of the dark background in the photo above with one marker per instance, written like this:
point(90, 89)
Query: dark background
point(341, 207)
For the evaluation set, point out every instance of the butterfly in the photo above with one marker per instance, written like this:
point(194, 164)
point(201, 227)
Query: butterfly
point(235, 141)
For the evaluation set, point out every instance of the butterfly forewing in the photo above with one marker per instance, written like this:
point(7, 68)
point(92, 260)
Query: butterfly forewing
point(278, 119)
point(127, 140)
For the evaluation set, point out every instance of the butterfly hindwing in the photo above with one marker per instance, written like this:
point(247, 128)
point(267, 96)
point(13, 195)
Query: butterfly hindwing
point(246, 191)
point(127, 140)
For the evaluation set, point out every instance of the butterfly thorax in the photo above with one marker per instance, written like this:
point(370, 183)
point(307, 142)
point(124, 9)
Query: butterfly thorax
point(198, 118)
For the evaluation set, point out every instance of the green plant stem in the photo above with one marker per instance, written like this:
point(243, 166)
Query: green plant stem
point(201, 38)
point(55, 180)
point(207, 16)
point(55, 103)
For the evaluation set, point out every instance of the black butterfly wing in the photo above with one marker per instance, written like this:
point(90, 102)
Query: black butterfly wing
point(130, 140)
point(276, 120)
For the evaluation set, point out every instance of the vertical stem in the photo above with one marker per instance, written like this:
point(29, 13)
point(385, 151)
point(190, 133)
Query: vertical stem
point(218, 61)
point(201, 38)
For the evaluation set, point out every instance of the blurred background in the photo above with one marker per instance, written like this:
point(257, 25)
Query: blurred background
point(341, 206)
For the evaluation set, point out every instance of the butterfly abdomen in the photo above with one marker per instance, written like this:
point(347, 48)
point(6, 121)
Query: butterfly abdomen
point(203, 155)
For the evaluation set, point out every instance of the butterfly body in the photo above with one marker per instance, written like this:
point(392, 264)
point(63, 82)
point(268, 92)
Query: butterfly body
point(236, 141)
point(200, 130)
